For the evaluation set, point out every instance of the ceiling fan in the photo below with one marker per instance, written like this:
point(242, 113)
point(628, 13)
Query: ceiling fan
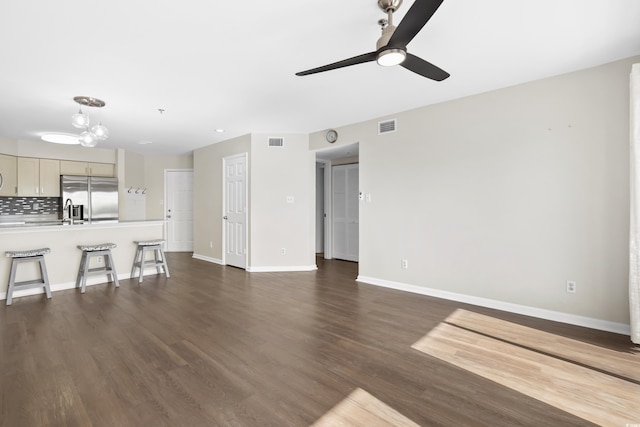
point(392, 45)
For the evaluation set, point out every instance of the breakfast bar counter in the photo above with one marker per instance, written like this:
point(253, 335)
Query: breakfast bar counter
point(64, 259)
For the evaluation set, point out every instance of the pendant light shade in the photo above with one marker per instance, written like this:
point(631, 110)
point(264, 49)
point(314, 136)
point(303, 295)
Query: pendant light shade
point(101, 132)
point(88, 139)
point(90, 136)
point(80, 120)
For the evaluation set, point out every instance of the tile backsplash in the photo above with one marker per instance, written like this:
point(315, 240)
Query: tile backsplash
point(29, 205)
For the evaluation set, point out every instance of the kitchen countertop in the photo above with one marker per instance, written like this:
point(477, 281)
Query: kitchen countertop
point(11, 227)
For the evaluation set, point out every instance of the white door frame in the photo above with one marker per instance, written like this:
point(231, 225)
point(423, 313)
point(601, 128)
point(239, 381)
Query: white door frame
point(328, 209)
point(246, 204)
point(164, 201)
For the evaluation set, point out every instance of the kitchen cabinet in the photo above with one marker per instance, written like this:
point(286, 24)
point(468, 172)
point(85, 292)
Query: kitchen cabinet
point(38, 177)
point(8, 175)
point(101, 169)
point(69, 167)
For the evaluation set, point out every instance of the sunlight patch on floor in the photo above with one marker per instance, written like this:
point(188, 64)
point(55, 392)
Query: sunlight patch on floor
point(544, 366)
point(360, 409)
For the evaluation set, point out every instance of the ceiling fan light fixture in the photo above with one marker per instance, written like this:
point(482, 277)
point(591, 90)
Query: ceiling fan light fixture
point(391, 57)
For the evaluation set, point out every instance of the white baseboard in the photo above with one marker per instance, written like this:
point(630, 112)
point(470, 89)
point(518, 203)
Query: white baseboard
point(572, 319)
point(208, 259)
point(279, 269)
point(262, 269)
point(55, 287)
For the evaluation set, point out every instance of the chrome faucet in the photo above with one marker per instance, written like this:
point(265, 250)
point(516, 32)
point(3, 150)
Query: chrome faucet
point(66, 211)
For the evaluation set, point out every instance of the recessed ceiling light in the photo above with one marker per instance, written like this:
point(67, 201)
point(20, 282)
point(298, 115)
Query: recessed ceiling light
point(144, 142)
point(60, 138)
point(219, 130)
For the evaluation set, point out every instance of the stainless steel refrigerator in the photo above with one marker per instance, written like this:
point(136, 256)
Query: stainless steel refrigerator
point(98, 195)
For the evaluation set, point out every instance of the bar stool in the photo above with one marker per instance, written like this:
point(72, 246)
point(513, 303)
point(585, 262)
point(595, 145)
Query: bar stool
point(19, 257)
point(159, 260)
point(90, 251)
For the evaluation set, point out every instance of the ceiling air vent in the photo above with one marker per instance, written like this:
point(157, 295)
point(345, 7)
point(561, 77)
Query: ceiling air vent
point(276, 142)
point(387, 126)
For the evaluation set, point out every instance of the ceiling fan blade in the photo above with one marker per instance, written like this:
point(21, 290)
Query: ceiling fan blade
point(367, 57)
point(416, 18)
point(424, 68)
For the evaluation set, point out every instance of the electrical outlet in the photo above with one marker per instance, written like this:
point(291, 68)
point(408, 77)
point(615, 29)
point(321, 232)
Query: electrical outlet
point(283, 251)
point(100, 260)
point(210, 244)
point(571, 286)
point(405, 263)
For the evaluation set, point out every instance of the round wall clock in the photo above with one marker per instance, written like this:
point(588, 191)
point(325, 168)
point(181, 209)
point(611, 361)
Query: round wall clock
point(332, 136)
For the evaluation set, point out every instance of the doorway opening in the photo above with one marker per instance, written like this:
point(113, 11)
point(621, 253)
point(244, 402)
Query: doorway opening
point(337, 202)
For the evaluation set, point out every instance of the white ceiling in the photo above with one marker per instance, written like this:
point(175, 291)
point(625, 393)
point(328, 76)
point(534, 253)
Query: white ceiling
point(232, 64)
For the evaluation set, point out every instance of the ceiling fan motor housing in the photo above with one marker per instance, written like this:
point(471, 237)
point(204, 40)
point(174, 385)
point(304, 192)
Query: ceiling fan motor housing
point(389, 5)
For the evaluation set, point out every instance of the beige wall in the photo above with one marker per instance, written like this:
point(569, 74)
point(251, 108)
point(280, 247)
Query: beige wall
point(154, 167)
point(207, 184)
point(274, 173)
point(505, 195)
point(134, 165)
point(278, 173)
point(141, 172)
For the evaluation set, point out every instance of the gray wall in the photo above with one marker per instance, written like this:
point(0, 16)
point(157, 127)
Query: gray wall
point(505, 195)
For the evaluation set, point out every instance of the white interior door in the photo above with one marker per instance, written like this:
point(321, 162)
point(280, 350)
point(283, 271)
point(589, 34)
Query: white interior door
point(345, 212)
point(179, 210)
point(235, 210)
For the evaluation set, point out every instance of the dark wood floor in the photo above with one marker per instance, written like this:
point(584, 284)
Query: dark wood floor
point(216, 346)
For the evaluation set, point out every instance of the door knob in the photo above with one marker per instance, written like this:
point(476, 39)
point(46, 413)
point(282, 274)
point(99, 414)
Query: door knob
point(168, 216)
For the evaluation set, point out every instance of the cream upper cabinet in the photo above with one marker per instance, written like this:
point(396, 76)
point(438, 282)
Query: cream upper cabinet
point(68, 167)
point(50, 178)
point(101, 169)
point(38, 177)
point(28, 177)
point(8, 175)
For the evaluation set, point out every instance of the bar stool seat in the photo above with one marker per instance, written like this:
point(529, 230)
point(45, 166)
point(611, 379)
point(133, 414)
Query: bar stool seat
point(159, 260)
point(19, 257)
point(99, 250)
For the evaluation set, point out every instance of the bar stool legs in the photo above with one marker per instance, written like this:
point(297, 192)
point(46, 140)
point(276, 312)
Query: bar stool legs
point(90, 251)
point(159, 260)
point(19, 257)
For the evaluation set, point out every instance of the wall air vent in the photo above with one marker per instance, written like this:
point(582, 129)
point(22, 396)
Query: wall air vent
point(387, 126)
point(276, 142)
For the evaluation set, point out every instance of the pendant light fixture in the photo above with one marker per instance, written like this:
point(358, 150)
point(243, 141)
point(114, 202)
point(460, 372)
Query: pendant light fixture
point(91, 136)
